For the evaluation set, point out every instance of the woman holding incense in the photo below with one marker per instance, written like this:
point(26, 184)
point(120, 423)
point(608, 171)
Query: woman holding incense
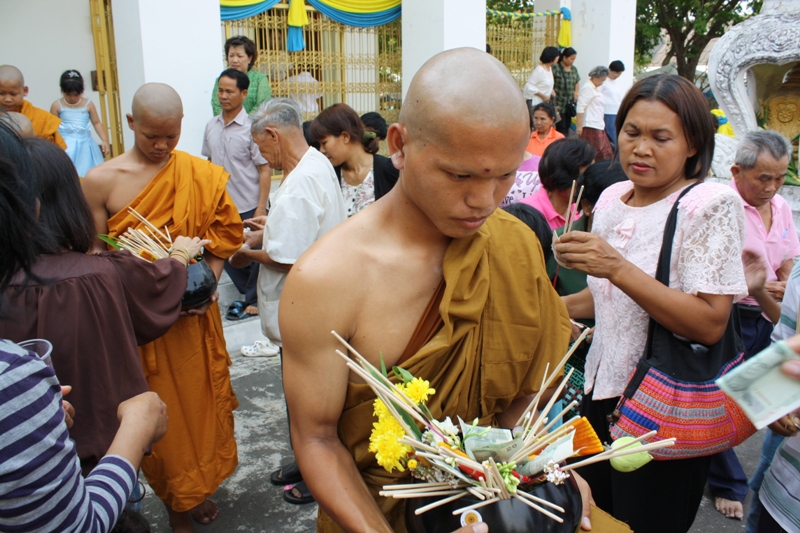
point(561, 166)
point(94, 309)
point(666, 143)
point(41, 488)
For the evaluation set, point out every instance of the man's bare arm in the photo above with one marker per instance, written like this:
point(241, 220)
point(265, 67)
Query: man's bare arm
point(264, 185)
point(315, 381)
point(95, 189)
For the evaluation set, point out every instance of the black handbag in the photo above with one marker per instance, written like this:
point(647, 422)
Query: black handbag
point(673, 389)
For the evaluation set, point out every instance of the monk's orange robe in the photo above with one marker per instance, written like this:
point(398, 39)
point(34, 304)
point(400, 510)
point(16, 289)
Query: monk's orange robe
point(503, 322)
point(45, 124)
point(188, 367)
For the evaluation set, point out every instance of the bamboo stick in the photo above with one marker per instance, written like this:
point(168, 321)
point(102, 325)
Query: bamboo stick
point(540, 509)
point(553, 399)
point(541, 500)
point(438, 503)
point(475, 506)
point(577, 206)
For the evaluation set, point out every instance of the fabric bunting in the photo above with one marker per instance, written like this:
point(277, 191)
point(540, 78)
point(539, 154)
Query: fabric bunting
point(242, 9)
point(361, 13)
point(565, 31)
point(518, 15)
point(296, 20)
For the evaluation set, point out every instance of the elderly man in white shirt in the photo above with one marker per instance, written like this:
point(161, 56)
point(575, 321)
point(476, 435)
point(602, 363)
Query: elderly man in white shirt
point(614, 90)
point(591, 124)
point(305, 207)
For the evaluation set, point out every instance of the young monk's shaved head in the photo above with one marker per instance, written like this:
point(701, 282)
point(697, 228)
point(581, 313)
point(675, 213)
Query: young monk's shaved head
point(156, 100)
point(21, 124)
point(458, 86)
point(10, 73)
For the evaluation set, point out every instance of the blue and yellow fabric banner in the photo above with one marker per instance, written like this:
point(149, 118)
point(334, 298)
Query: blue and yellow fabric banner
point(361, 13)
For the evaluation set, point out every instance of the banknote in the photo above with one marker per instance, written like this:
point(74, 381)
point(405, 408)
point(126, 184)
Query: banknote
point(760, 388)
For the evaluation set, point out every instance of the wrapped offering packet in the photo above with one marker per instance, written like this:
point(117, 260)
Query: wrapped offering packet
point(760, 388)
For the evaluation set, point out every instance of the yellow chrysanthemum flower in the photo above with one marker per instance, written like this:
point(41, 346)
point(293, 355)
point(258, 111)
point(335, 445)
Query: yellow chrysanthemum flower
point(383, 442)
point(380, 409)
point(418, 390)
point(412, 464)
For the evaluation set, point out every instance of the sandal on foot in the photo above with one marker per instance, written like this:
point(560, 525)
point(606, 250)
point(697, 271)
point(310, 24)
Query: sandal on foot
point(237, 313)
point(238, 304)
point(286, 475)
point(260, 349)
point(301, 488)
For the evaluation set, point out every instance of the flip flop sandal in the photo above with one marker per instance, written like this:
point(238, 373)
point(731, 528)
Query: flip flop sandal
point(238, 304)
point(237, 313)
point(262, 349)
point(305, 494)
point(286, 475)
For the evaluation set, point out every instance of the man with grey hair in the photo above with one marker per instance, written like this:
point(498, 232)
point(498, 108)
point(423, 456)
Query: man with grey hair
point(762, 160)
point(305, 207)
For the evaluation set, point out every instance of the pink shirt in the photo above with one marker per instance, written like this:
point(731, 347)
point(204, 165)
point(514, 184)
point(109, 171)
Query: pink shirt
point(541, 202)
point(777, 245)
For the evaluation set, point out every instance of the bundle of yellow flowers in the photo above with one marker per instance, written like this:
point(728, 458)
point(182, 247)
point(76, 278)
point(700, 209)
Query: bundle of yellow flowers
point(387, 431)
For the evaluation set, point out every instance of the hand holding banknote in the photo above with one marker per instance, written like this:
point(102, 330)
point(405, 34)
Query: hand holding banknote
point(767, 386)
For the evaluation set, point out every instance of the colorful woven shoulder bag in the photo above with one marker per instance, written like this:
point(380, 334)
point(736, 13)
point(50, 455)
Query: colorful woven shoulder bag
point(672, 389)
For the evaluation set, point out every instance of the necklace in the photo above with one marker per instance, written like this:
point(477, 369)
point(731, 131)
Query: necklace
point(73, 106)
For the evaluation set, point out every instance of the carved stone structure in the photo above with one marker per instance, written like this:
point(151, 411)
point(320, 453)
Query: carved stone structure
point(760, 50)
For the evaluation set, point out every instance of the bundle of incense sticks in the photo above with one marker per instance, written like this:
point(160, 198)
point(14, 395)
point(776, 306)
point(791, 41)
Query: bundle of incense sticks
point(572, 210)
point(149, 245)
point(486, 482)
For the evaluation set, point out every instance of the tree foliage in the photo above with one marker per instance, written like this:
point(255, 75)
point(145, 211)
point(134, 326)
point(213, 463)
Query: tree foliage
point(689, 25)
point(525, 6)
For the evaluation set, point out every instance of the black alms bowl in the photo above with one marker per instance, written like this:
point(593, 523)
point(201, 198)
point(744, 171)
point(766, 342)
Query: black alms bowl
point(200, 286)
point(505, 516)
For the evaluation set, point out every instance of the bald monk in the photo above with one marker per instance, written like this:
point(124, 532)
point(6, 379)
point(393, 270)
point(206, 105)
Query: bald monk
point(188, 366)
point(12, 97)
point(434, 243)
point(20, 123)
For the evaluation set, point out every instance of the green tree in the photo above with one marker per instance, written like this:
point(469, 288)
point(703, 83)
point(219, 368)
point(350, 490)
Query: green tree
point(689, 24)
point(510, 5)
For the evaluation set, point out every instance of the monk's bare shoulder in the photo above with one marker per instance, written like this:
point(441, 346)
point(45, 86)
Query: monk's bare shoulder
point(107, 173)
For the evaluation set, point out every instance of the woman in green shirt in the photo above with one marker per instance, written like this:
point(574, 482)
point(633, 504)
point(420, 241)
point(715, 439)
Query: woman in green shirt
point(566, 82)
point(241, 53)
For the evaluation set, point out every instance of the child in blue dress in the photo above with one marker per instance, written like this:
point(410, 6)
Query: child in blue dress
point(76, 112)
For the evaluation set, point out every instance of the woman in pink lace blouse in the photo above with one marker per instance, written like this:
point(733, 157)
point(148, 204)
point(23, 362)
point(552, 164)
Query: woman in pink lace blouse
point(666, 142)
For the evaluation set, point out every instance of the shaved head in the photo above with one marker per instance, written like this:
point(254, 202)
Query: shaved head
point(156, 100)
point(459, 88)
point(10, 73)
point(19, 122)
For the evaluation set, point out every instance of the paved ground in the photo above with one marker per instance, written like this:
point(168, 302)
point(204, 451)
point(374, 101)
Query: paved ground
point(249, 503)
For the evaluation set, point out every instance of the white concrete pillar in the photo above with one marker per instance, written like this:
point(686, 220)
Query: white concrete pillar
point(433, 26)
point(176, 43)
point(603, 31)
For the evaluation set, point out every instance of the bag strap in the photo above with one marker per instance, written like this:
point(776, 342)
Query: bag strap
point(665, 258)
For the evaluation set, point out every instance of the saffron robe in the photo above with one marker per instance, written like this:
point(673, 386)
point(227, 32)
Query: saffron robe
point(188, 366)
point(45, 124)
point(503, 323)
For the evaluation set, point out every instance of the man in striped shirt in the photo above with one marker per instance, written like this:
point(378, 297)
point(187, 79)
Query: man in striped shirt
point(41, 488)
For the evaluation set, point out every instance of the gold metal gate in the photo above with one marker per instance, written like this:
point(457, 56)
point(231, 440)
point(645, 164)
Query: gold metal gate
point(107, 83)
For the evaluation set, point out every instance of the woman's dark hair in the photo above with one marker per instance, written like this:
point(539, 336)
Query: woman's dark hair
point(63, 210)
point(600, 176)
point(21, 238)
point(547, 107)
point(617, 66)
point(562, 162)
point(249, 48)
point(338, 119)
point(241, 79)
point(131, 522)
point(549, 54)
point(536, 221)
point(686, 101)
point(376, 122)
point(566, 52)
point(71, 82)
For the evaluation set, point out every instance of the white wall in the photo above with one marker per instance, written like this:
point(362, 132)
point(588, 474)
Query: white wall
point(603, 31)
point(432, 26)
point(44, 38)
point(174, 42)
